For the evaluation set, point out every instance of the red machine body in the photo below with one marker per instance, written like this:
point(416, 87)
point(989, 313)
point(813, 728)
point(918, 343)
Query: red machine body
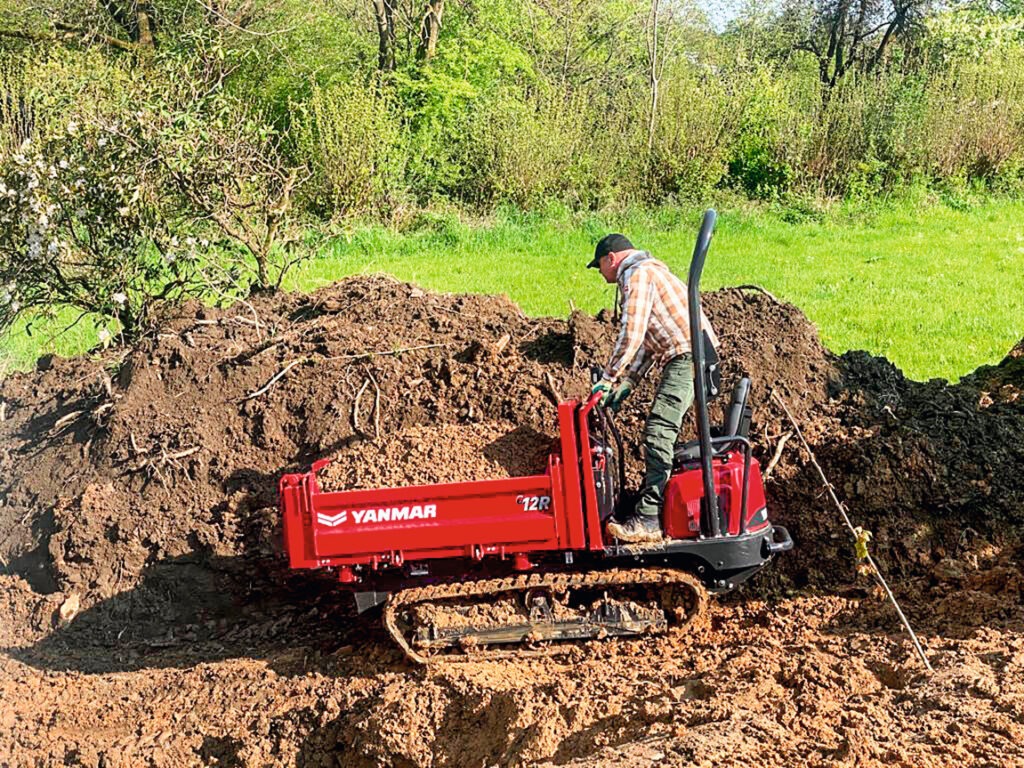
point(683, 494)
point(394, 537)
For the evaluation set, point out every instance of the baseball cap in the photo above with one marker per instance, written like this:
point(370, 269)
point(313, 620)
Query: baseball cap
point(612, 243)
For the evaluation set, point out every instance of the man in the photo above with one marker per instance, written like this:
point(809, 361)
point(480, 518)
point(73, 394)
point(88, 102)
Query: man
point(654, 329)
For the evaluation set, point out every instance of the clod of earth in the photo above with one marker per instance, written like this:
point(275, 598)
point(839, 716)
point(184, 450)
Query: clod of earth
point(141, 482)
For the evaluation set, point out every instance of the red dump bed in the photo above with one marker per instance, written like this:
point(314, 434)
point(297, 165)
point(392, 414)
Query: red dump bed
point(389, 526)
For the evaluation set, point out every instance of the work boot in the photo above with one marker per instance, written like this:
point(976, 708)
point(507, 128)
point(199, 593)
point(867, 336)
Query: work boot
point(636, 529)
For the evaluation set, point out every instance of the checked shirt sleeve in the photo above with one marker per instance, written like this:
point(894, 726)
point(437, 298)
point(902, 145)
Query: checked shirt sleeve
point(635, 315)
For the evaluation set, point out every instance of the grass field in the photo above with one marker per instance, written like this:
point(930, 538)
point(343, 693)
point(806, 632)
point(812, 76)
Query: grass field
point(936, 290)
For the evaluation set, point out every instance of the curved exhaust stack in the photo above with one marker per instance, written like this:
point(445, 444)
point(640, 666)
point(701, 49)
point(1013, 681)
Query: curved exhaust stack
point(700, 252)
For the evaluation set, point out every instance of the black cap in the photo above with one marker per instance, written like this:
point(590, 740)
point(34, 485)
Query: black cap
point(609, 244)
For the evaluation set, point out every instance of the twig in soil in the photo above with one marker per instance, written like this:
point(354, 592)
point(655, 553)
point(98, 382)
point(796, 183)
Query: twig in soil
point(274, 379)
point(355, 405)
point(3, 411)
point(255, 318)
point(376, 407)
point(778, 454)
point(552, 388)
point(857, 533)
point(758, 288)
point(500, 345)
point(166, 457)
point(66, 419)
point(361, 355)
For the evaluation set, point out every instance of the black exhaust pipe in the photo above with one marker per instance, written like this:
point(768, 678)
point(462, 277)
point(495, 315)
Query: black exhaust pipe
point(700, 252)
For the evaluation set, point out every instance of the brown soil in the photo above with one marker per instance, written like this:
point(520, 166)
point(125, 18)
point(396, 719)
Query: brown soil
point(446, 453)
point(148, 617)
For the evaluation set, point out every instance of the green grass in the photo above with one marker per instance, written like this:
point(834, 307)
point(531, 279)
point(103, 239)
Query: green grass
point(936, 290)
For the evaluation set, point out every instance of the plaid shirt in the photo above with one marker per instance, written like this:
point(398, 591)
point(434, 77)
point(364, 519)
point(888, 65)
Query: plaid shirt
point(655, 320)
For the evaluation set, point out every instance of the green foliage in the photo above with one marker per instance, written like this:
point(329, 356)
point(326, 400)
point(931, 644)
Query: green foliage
point(539, 106)
point(526, 152)
point(81, 225)
point(353, 140)
point(126, 182)
point(758, 163)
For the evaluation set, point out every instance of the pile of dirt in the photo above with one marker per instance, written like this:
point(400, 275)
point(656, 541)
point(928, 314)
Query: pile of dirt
point(170, 450)
point(145, 603)
point(447, 453)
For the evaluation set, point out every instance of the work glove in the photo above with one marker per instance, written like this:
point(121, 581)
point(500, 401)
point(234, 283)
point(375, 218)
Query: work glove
point(605, 388)
point(619, 395)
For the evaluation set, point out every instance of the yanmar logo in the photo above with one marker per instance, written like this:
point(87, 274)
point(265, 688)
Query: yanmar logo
point(379, 515)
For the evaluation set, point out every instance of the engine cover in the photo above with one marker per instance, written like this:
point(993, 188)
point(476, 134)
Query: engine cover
point(685, 489)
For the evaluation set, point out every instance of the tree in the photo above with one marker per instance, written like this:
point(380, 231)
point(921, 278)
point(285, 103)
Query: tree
point(81, 226)
point(852, 34)
point(384, 14)
point(140, 187)
point(134, 26)
point(430, 28)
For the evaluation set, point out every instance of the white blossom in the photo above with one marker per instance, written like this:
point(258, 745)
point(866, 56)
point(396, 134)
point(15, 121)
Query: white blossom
point(119, 299)
point(104, 335)
point(72, 128)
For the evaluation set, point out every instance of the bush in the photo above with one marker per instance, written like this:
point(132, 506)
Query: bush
point(974, 127)
point(758, 163)
point(690, 149)
point(352, 139)
point(111, 205)
point(79, 227)
point(527, 152)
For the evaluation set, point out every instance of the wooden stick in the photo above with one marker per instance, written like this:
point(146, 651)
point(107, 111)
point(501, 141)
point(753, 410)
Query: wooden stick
point(778, 454)
point(66, 419)
point(361, 355)
point(500, 345)
point(376, 407)
point(758, 288)
point(180, 454)
point(274, 379)
point(853, 531)
point(355, 405)
point(553, 387)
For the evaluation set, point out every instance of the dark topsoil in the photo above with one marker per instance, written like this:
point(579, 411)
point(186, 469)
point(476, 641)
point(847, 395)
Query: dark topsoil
point(141, 484)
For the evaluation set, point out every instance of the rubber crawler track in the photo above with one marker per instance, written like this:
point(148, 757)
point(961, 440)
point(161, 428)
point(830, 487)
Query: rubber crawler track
point(557, 582)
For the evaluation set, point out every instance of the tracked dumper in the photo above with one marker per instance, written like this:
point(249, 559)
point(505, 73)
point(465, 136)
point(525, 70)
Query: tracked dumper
point(527, 560)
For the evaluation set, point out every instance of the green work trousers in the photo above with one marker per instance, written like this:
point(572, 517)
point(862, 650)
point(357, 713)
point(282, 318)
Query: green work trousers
point(673, 399)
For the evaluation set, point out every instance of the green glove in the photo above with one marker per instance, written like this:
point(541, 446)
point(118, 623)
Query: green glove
point(605, 388)
point(619, 395)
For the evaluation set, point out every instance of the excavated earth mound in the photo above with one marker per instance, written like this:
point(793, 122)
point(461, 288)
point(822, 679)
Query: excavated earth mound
point(149, 619)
